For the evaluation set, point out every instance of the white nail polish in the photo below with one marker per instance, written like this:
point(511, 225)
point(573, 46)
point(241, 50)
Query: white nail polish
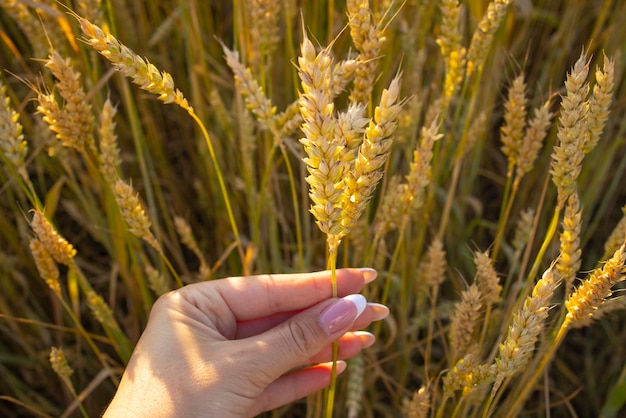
point(359, 301)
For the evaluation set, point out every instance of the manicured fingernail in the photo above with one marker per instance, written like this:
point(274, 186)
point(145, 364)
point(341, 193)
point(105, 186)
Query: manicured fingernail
point(341, 366)
point(342, 313)
point(369, 274)
point(367, 338)
point(380, 311)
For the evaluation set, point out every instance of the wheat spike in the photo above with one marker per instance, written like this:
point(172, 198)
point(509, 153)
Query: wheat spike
point(156, 280)
point(139, 70)
point(61, 251)
point(354, 401)
point(533, 139)
point(325, 151)
point(46, 266)
point(523, 229)
point(263, 19)
point(351, 125)
point(412, 196)
point(599, 103)
point(133, 213)
point(101, 311)
point(512, 132)
point(372, 155)
point(28, 24)
point(109, 155)
point(523, 333)
point(568, 154)
point(12, 143)
point(256, 100)
point(596, 289)
point(467, 374)
point(79, 129)
point(59, 364)
point(618, 235)
point(368, 40)
point(419, 406)
point(343, 73)
point(484, 33)
point(569, 260)
point(487, 277)
point(464, 320)
point(432, 270)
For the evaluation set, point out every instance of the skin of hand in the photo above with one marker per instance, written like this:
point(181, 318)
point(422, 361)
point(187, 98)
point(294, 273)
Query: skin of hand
point(240, 346)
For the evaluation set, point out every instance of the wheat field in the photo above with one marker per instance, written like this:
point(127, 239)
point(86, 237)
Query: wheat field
point(471, 151)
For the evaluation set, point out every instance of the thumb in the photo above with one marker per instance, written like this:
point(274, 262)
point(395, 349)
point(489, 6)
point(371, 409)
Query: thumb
point(293, 342)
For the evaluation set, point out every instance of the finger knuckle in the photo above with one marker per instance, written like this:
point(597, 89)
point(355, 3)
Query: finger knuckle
point(303, 336)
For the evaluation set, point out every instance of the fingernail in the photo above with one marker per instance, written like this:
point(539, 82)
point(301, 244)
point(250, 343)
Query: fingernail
point(342, 313)
point(341, 366)
point(380, 311)
point(369, 274)
point(367, 338)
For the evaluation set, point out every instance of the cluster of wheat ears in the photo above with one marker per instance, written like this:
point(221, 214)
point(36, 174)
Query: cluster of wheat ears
point(402, 136)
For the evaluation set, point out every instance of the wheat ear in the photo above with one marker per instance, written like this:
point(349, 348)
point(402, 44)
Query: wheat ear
point(12, 143)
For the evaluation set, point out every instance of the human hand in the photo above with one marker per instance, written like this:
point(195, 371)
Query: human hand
point(239, 346)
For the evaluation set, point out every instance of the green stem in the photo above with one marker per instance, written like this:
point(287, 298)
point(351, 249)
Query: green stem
point(330, 398)
point(220, 179)
point(296, 207)
point(510, 191)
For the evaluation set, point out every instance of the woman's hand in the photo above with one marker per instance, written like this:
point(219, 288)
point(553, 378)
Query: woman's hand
point(239, 346)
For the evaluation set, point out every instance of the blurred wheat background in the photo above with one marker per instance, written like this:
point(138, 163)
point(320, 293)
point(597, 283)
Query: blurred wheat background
point(471, 151)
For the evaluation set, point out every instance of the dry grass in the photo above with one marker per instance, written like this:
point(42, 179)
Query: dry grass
point(146, 145)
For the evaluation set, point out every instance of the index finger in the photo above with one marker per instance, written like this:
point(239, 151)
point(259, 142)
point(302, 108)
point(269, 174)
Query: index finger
point(258, 296)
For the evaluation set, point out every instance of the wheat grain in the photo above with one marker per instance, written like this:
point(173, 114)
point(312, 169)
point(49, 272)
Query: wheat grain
point(343, 73)
point(351, 125)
